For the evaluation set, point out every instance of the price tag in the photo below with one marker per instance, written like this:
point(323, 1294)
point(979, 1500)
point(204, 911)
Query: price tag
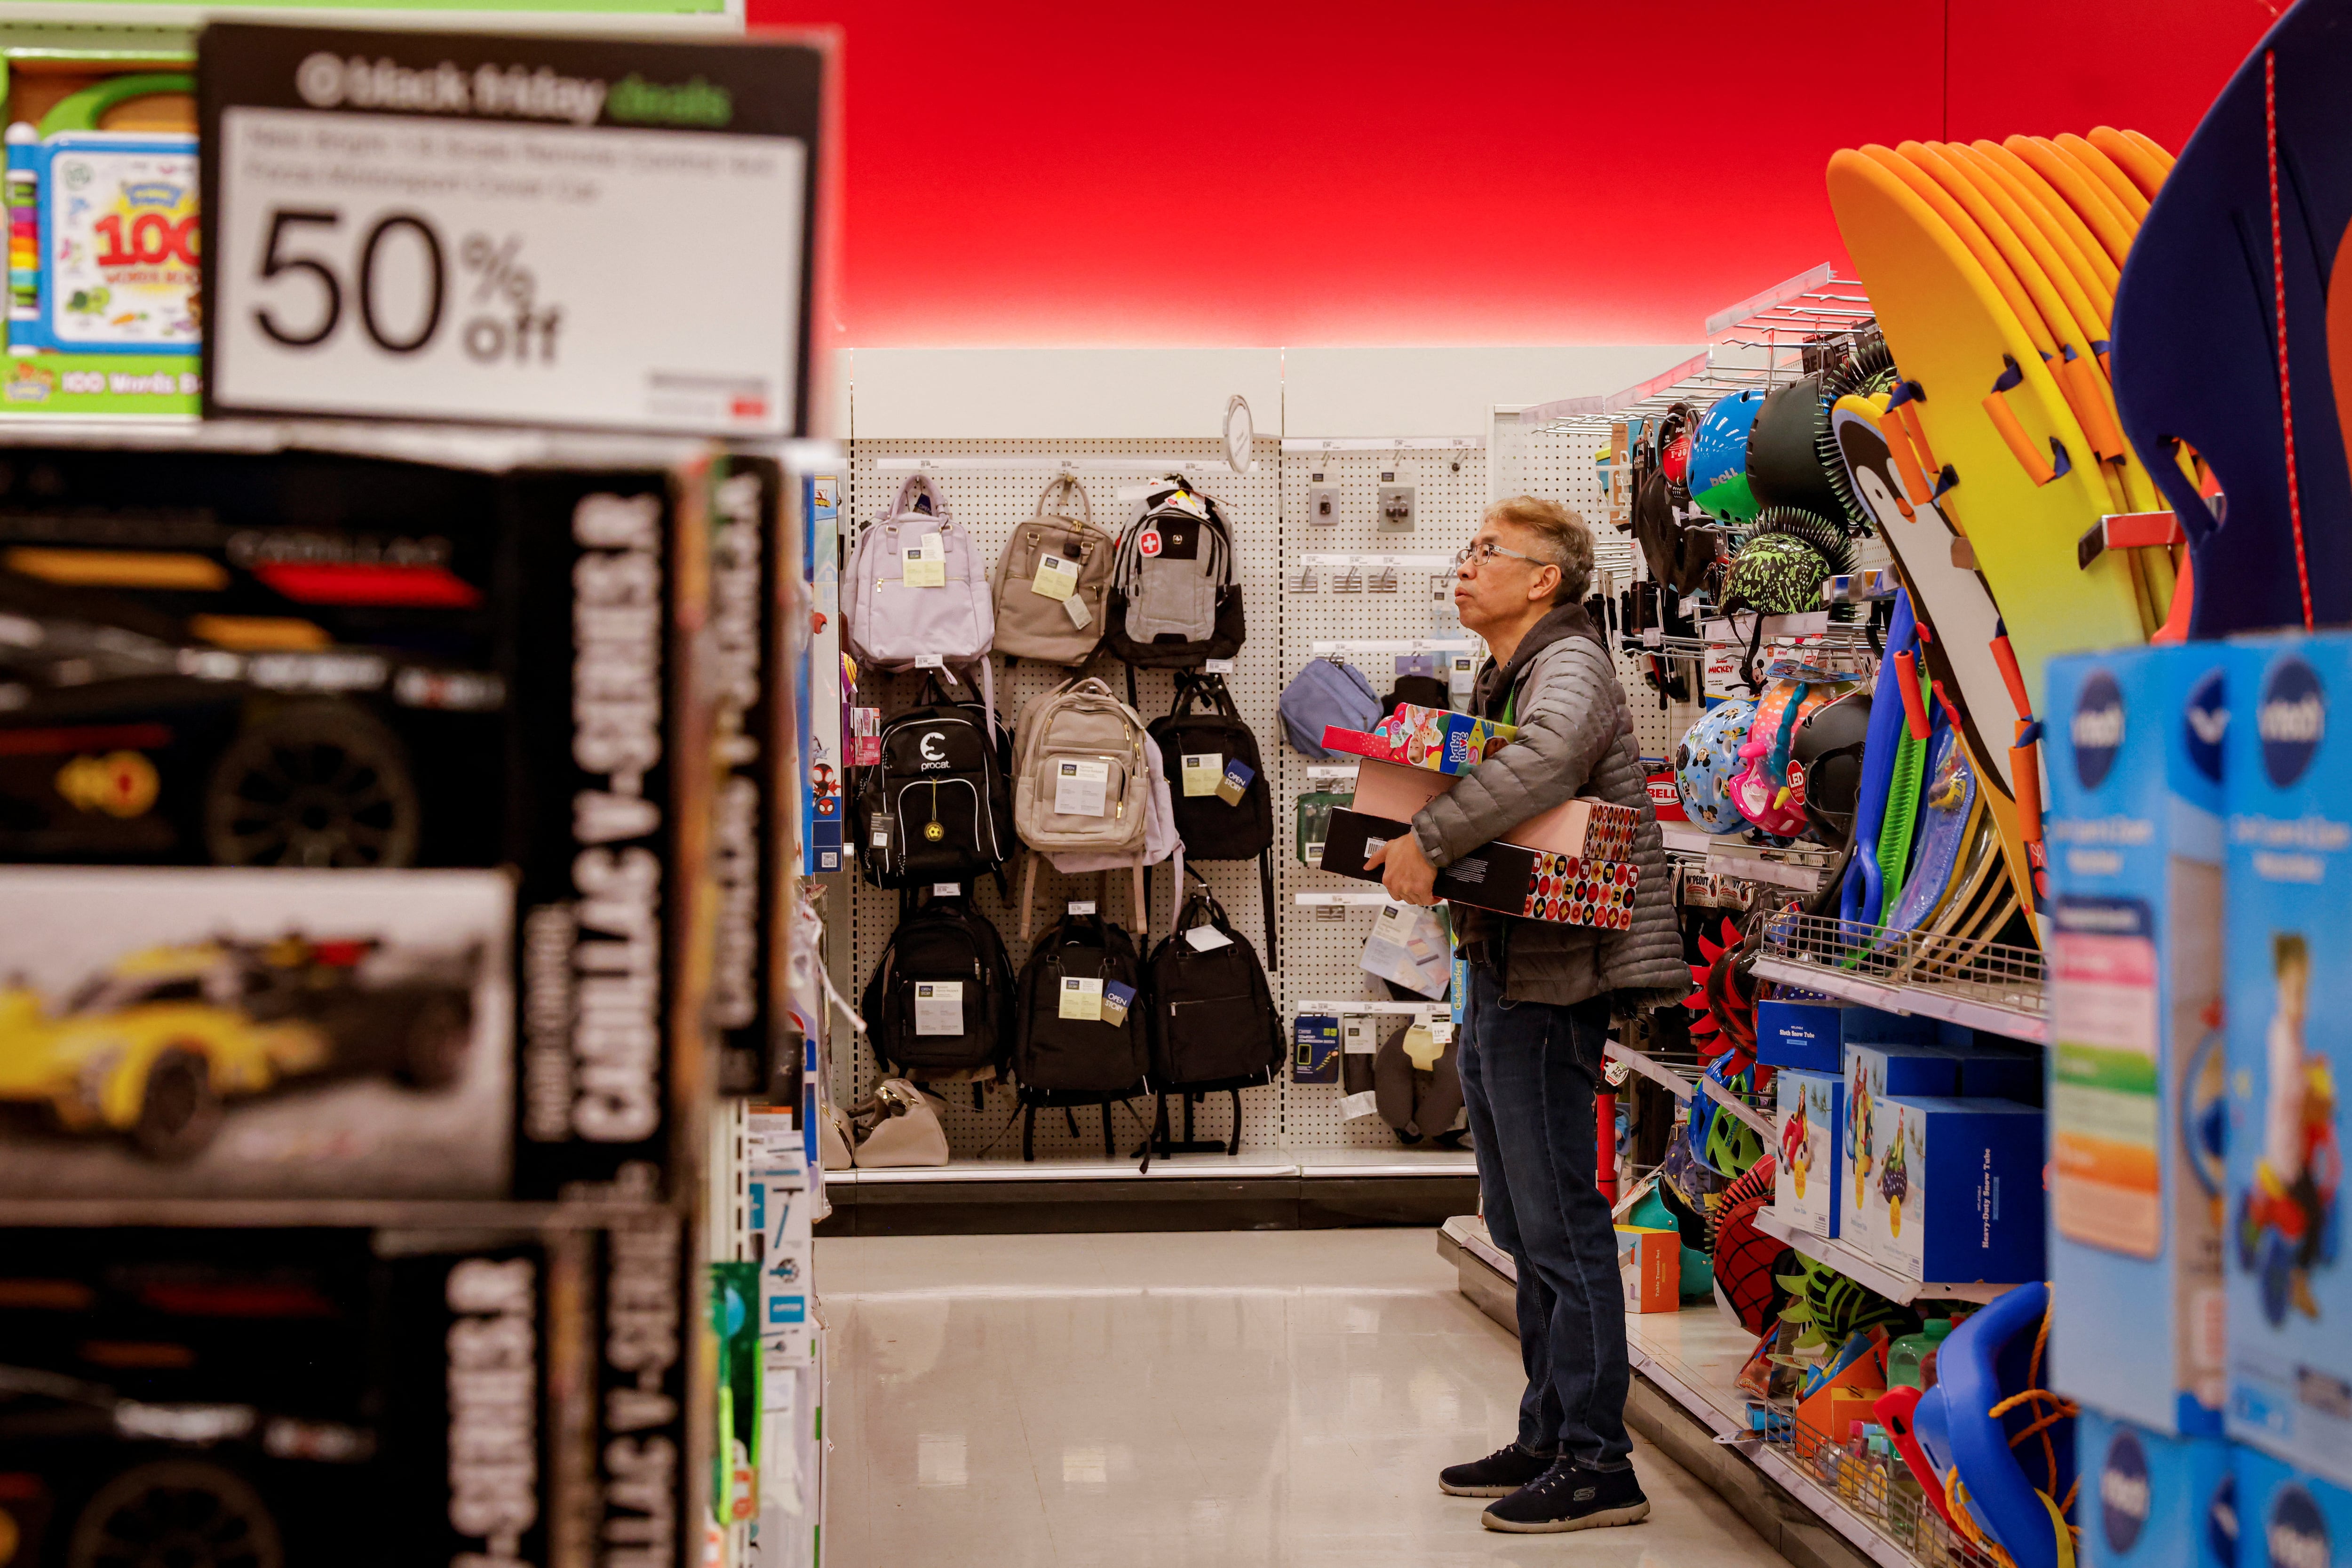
point(946, 889)
point(1080, 617)
point(1203, 772)
point(1441, 1031)
point(475, 228)
point(881, 838)
point(1207, 939)
point(921, 569)
point(1080, 786)
point(1116, 1000)
point(1217, 667)
point(1082, 905)
point(939, 1006)
point(1082, 998)
point(930, 662)
point(1057, 578)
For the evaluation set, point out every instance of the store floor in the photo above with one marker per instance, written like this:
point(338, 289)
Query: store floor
point(1277, 1398)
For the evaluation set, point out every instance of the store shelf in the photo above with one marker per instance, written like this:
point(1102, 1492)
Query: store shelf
point(1248, 1165)
point(1981, 985)
point(1867, 1271)
point(1657, 1072)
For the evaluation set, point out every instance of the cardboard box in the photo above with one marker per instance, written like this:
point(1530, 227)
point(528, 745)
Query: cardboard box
point(1808, 1034)
point(1509, 879)
point(375, 862)
point(1806, 1189)
point(2149, 1500)
point(504, 1393)
point(1436, 739)
point(1874, 1071)
point(2286, 1516)
point(2288, 993)
point(1586, 828)
point(1958, 1189)
point(2135, 935)
point(1650, 1266)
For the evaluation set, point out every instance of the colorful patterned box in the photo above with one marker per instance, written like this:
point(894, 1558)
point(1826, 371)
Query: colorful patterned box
point(1567, 890)
point(1437, 739)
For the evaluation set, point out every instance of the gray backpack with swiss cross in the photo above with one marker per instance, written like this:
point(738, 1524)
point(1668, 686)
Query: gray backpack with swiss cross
point(1175, 603)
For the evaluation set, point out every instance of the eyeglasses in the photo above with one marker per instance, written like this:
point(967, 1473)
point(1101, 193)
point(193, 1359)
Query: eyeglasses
point(1484, 551)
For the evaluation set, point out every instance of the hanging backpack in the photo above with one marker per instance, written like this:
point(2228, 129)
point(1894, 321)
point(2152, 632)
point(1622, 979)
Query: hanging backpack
point(1327, 693)
point(1175, 601)
point(1160, 842)
point(1198, 749)
point(1053, 581)
point(936, 808)
point(893, 624)
point(1213, 1021)
point(940, 1001)
point(1065, 1049)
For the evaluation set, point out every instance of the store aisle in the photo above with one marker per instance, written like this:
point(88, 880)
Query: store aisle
point(1244, 1398)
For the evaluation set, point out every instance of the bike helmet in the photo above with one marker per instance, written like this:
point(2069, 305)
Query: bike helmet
point(1825, 765)
point(1748, 1259)
point(1759, 792)
point(1708, 760)
point(1726, 1000)
point(1830, 1309)
point(1718, 458)
point(1869, 369)
point(1784, 465)
point(1779, 569)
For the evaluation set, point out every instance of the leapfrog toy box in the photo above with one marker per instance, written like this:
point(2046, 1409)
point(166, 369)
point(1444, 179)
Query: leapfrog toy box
point(1805, 1186)
point(2153, 1501)
point(1958, 1189)
point(2288, 996)
point(2284, 1517)
point(2135, 757)
point(1874, 1071)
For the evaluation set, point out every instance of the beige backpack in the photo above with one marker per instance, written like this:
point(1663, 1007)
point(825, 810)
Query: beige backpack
point(1083, 778)
point(1052, 609)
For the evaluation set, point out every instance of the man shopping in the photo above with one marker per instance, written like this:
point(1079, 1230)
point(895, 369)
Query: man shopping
point(1537, 1017)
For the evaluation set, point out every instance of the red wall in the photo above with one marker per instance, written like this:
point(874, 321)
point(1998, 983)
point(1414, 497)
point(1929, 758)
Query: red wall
point(1224, 172)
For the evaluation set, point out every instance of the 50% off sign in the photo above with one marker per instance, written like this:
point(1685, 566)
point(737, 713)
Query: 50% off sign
point(390, 280)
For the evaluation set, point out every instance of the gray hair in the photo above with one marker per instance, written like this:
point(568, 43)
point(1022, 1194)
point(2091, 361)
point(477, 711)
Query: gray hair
point(1567, 540)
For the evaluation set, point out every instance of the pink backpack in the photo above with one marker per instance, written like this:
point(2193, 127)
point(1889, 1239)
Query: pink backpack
point(888, 624)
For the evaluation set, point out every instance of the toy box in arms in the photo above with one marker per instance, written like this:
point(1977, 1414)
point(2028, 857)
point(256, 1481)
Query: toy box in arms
point(1437, 739)
point(384, 883)
point(222, 1396)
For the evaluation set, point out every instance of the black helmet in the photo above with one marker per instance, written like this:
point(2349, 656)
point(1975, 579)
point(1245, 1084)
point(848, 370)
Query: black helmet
point(1825, 765)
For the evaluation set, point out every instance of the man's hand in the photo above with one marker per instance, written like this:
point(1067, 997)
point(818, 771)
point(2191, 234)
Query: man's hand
point(1406, 871)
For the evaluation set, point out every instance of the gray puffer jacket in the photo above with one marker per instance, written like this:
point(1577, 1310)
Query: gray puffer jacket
point(1576, 737)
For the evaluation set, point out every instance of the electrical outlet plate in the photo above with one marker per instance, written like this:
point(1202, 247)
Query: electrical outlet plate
point(1396, 508)
point(1323, 506)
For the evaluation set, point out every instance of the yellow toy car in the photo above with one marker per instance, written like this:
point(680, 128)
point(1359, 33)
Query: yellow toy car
point(156, 1045)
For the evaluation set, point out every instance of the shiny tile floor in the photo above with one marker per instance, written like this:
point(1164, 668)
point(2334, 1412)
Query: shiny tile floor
point(1132, 1401)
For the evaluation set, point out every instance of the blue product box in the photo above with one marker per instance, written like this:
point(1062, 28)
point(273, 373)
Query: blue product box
point(1958, 1189)
point(1812, 1119)
point(1800, 1033)
point(1315, 1037)
point(1987, 1074)
point(2135, 744)
point(2287, 1517)
point(1872, 1073)
point(1874, 1026)
point(2287, 973)
point(2153, 1501)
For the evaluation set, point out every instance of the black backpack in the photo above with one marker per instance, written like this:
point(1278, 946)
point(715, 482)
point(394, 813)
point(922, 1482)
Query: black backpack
point(1072, 1061)
point(1175, 602)
point(1211, 829)
point(936, 808)
point(1215, 1027)
point(917, 1026)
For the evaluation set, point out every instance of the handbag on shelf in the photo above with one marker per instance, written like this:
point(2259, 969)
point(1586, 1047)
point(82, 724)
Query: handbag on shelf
point(899, 1127)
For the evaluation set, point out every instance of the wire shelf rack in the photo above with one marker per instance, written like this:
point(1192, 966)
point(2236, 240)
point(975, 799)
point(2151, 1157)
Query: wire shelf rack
point(1984, 984)
point(1876, 1487)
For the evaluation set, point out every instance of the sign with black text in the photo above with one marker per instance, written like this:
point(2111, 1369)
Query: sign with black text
point(597, 233)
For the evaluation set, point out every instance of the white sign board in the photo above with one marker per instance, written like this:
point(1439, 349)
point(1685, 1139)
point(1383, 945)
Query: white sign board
point(512, 231)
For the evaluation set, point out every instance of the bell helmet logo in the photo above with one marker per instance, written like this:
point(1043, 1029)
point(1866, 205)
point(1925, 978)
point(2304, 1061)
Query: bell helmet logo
point(2098, 729)
point(2124, 1493)
point(2206, 724)
point(2297, 1535)
point(2292, 720)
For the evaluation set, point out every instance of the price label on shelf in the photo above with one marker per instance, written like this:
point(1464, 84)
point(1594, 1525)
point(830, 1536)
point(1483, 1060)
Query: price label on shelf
point(601, 233)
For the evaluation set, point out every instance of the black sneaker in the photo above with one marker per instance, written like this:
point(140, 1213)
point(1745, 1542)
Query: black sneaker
point(1499, 1474)
point(1570, 1496)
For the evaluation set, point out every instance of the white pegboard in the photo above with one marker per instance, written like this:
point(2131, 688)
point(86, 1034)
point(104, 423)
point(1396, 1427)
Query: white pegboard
point(991, 502)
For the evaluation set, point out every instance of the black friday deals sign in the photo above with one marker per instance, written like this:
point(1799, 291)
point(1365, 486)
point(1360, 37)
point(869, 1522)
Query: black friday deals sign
point(595, 233)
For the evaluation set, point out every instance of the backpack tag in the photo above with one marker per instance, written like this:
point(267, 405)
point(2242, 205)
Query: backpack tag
point(1217, 667)
point(1116, 1000)
point(1080, 617)
point(939, 1006)
point(1082, 998)
point(881, 831)
point(1207, 939)
point(946, 889)
point(1057, 578)
point(1080, 787)
point(1236, 784)
point(1082, 905)
point(924, 565)
point(1203, 772)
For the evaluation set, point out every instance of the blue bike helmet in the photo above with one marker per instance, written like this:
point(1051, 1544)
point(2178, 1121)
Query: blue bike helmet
point(1718, 458)
point(1708, 759)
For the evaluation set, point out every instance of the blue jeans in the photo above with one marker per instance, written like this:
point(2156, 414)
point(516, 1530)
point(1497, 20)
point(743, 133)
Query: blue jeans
point(1531, 1119)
